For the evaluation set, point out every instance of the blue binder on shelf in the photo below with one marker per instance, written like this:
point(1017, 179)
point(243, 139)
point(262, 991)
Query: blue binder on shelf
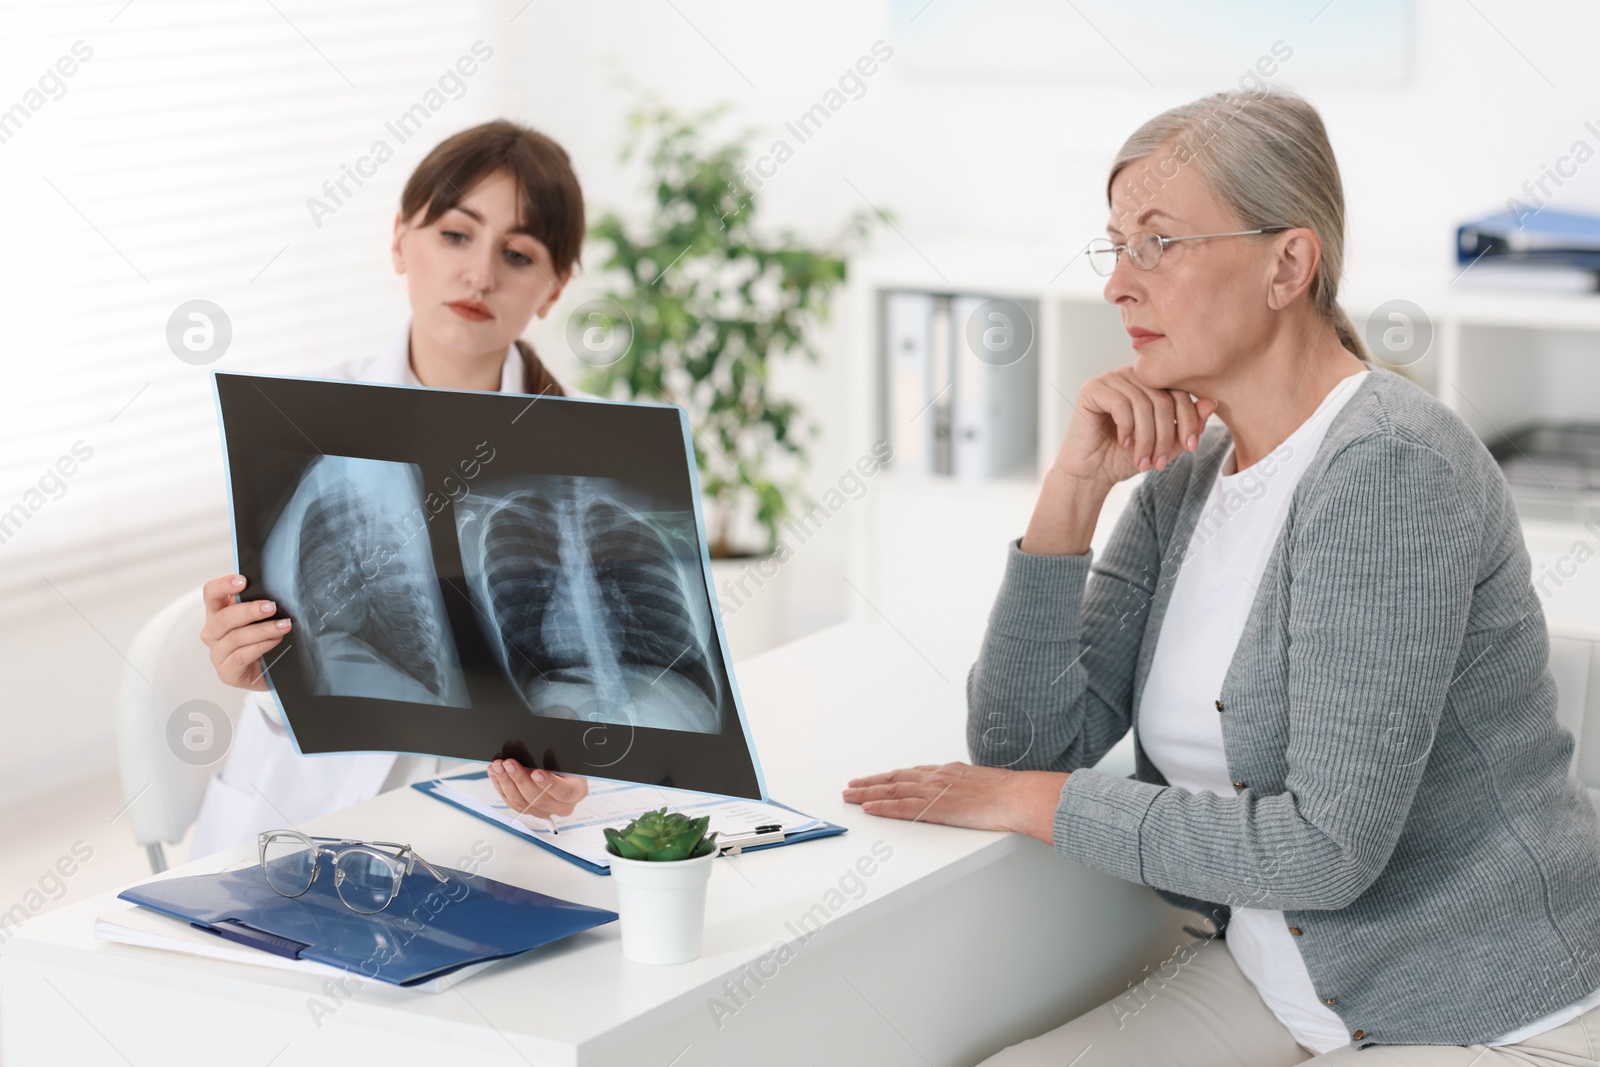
point(427, 931)
point(552, 843)
point(1542, 238)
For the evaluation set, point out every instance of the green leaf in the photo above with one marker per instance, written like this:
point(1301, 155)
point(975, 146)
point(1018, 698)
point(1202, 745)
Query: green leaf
point(621, 846)
point(642, 841)
point(667, 853)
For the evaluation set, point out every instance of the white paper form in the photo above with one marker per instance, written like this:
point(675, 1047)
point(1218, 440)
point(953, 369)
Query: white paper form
point(151, 929)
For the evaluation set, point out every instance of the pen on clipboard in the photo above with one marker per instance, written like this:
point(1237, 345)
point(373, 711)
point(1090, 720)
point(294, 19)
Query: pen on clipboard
point(551, 819)
point(733, 844)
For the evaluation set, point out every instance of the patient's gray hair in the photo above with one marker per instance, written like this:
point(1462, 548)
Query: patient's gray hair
point(1266, 154)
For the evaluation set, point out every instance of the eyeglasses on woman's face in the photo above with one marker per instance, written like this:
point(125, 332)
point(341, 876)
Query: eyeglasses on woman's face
point(1144, 249)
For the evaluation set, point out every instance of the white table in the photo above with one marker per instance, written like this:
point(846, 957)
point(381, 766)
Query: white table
point(962, 942)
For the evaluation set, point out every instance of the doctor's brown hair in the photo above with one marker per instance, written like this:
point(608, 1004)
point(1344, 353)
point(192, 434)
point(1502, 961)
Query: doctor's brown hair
point(552, 201)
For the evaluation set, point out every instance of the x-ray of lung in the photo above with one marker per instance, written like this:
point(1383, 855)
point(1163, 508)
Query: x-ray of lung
point(593, 601)
point(478, 575)
point(349, 560)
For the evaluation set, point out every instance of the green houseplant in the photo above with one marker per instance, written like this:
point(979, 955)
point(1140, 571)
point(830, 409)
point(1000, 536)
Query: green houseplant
point(711, 303)
point(661, 862)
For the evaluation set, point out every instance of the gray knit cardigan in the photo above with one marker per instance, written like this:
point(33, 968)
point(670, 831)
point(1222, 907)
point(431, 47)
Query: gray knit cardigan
point(1402, 786)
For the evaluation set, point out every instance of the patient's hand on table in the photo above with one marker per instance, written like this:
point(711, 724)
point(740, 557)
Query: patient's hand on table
point(537, 792)
point(962, 794)
point(239, 634)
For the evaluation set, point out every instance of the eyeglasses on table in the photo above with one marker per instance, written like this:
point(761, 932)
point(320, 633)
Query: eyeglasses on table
point(366, 876)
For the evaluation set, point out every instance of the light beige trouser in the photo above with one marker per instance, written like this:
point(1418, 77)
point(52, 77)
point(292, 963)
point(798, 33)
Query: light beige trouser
point(1209, 1015)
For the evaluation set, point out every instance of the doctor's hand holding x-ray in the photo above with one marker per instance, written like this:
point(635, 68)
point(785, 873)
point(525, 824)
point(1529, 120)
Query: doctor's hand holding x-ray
point(499, 252)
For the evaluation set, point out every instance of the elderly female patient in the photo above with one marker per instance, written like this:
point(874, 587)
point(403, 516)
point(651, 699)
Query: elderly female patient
point(1318, 621)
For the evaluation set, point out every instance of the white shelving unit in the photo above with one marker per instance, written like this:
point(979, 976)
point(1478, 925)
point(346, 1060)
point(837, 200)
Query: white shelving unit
point(932, 548)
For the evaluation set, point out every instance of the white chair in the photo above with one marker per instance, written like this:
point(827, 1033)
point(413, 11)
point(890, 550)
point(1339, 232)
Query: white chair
point(1575, 661)
point(170, 667)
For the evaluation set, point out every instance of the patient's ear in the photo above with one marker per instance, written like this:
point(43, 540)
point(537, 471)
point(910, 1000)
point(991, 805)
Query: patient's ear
point(1294, 267)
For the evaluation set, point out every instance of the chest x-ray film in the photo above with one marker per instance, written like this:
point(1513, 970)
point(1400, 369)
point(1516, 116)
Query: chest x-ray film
point(477, 575)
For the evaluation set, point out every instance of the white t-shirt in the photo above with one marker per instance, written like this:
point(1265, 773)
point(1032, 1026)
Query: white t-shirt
point(1179, 727)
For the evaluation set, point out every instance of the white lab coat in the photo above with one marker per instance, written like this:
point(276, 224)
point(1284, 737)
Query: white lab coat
point(264, 783)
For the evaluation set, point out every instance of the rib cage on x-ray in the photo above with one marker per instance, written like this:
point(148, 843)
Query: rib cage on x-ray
point(349, 560)
point(591, 610)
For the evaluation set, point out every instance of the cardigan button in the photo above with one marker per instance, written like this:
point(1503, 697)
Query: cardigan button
point(1219, 705)
point(1238, 785)
point(1295, 930)
point(1331, 1000)
point(1359, 1034)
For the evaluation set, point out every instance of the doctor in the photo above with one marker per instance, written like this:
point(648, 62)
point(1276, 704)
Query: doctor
point(489, 229)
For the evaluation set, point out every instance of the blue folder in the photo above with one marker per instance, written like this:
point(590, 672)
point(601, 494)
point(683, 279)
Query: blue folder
point(427, 931)
point(1545, 237)
point(431, 788)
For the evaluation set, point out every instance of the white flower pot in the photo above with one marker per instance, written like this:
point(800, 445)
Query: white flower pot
point(662, 907)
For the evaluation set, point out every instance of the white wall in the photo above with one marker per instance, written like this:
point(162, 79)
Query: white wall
point(1497, 90)
point(1024, 161)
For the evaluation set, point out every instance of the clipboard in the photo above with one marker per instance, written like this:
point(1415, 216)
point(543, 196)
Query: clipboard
point(428, 931)
point(736, 844)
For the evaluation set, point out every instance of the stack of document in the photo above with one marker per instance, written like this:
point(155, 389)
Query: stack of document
point(431, 929)
point(582, 837)
point(151, 929)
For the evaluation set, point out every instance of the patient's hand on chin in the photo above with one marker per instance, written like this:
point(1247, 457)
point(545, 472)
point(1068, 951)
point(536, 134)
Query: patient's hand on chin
point(537, 792)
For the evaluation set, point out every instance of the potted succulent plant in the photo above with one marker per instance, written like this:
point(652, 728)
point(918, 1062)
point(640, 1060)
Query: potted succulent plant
point(661, 862)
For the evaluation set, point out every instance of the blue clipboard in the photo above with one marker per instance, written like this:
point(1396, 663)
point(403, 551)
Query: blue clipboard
point(431, 788)
point(429, 930)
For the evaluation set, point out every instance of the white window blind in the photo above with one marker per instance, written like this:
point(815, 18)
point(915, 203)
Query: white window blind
point(175, 163)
